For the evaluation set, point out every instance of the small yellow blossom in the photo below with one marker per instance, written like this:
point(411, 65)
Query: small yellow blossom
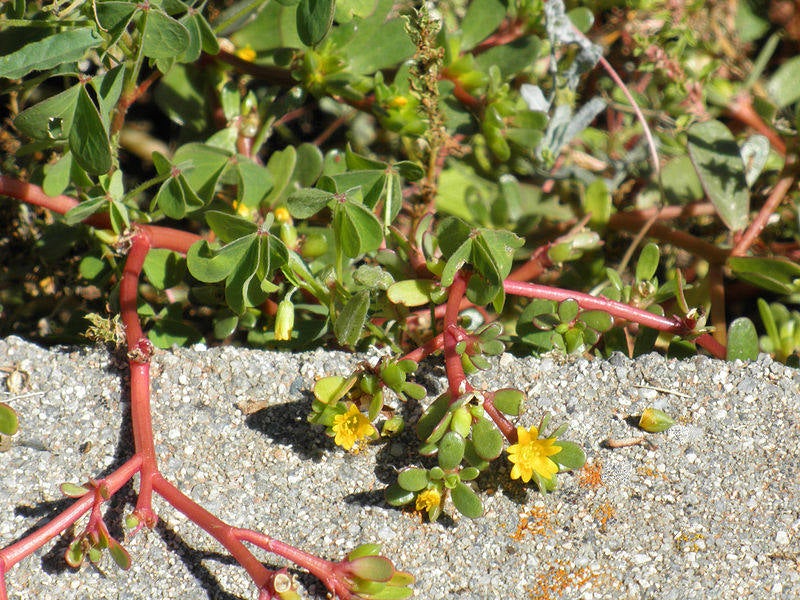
point(428, 499)
point(282, 215)
point(530, 455)
point(351, 427)
point(398, 102)
point(247, 53)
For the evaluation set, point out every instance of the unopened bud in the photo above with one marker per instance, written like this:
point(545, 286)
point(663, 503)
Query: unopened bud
point(655, 421)
point(284, 321)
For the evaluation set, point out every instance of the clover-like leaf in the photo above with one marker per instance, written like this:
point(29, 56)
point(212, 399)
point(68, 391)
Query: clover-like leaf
point(349, 324)
point(62, 47)
point(719, 165)
point(163, 36)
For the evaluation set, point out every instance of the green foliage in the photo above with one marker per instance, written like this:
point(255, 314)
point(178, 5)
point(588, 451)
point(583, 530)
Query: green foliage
point(360, 173)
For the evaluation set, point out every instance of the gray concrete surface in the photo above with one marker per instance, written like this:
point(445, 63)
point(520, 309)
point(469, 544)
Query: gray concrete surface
point(709, 509)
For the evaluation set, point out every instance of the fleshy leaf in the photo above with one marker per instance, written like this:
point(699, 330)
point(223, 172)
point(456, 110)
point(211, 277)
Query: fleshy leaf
point(451, 450)
point(9, 423)
point(742, 340)
point(466, 501)
point(486, 439)
point(571, 456)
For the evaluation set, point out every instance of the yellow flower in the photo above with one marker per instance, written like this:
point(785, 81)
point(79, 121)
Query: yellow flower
point(428, 499)
point(530, 455)
point(351, 427)
point(247, 53)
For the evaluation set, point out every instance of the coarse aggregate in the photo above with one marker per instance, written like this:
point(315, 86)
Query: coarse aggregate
point(708, 509)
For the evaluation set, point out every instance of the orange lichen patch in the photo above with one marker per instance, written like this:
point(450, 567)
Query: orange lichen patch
point(604, 513)
point(562, 577)
point(538, 521)
point(651, 472)
point(591, 475)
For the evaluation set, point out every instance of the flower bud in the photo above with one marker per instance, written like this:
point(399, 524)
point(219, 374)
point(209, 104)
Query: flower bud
point(655, 421)
point(284, 321)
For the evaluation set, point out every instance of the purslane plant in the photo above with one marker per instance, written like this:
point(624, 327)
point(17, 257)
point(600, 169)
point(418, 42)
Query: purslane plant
point(472, 210)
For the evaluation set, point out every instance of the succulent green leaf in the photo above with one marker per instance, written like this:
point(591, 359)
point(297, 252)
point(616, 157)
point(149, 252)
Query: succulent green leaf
point(114, 16)
point(225, 323)
point(330, 389)
point(509, 401)
point(598, 320)
point(571, 456)
point(718, 162)
point(349, 324)
point(755, 151)
point(397, 496)
point(109, 88)
point(119, 554)
point(742, 340)
point(466, 501)
point(411, 292)
point(314, 20)
point(469, 473)
point(74, 555)
point(598, 203)
point(413, 479)
point(369, 549)
point(372, 568)
point(9, 423)
point(432, 416)
point(456, 262)
point(452, 233)
point(62, 47)
point(451, 450)
point(568, 310)
point(486, 439)
point(85, 209)
point(778, 275)
point(648, 262)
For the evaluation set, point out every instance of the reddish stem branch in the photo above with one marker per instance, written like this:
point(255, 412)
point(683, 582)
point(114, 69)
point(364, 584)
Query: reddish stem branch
point(770, 206)
point(11, 555)
point(457, 379)
point(214, 526)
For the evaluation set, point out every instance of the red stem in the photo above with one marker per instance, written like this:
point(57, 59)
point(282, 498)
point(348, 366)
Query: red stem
point(456, 378)
point(11, 555)
point(770, 206)
point(214, 526)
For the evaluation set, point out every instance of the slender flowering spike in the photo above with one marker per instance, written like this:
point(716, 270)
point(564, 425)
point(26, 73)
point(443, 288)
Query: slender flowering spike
point(351, 427)
point(531, 455)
